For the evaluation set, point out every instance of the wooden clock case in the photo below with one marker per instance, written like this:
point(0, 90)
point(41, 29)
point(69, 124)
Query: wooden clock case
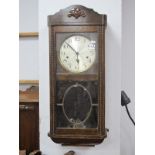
point(77, 19)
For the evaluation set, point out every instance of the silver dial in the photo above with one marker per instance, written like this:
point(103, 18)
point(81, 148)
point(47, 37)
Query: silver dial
point(77, 54)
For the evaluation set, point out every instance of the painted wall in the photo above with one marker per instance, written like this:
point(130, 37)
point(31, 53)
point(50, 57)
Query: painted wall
point(28, 47)
point(128, 75)
point(28, 15)
point(111, 146)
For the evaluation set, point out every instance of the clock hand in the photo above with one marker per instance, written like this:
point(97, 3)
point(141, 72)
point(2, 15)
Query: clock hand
point(77, 60)
point(77, 53)
point(71, 48)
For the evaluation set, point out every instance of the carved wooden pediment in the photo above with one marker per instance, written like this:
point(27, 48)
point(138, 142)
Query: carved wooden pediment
point(77, 14)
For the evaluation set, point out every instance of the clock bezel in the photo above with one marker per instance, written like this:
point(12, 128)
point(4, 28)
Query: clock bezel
point(74, 72)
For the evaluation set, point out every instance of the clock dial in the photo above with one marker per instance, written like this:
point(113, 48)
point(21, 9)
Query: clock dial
point(77, 54)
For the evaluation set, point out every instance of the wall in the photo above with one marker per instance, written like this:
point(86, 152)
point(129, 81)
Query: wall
point(111, 146)
point(28, 47)
point(128, 75)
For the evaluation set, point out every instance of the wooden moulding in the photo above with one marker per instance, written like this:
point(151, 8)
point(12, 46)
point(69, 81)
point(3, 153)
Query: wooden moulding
point(28, 34)
point(29, 95)
point(76, 77)
point(79, 145)
point(77, 15)
point(29, 82)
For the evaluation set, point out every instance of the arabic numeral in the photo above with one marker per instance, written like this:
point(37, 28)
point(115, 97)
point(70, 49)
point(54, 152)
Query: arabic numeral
point(70, 41)
point(77, 38)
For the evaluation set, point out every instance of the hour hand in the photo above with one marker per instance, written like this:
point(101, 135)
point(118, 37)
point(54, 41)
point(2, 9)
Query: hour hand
point(77, 60)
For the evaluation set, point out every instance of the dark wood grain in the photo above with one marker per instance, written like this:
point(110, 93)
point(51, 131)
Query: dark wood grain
point(77, 19)
point(82, 77)
point(89, 17)
point(29, 120)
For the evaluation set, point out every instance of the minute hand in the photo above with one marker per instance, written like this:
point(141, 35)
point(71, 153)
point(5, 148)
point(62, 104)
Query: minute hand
point(72, 48)
point(77, 54)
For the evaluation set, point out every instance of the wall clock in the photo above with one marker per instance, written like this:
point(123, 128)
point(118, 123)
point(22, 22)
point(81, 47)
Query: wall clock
point(77, 76)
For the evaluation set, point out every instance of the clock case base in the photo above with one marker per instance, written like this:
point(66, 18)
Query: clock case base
point(80, 19)
point(76, 141)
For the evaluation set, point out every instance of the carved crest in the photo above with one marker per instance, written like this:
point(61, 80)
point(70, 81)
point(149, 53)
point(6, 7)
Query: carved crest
point(77, 12)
